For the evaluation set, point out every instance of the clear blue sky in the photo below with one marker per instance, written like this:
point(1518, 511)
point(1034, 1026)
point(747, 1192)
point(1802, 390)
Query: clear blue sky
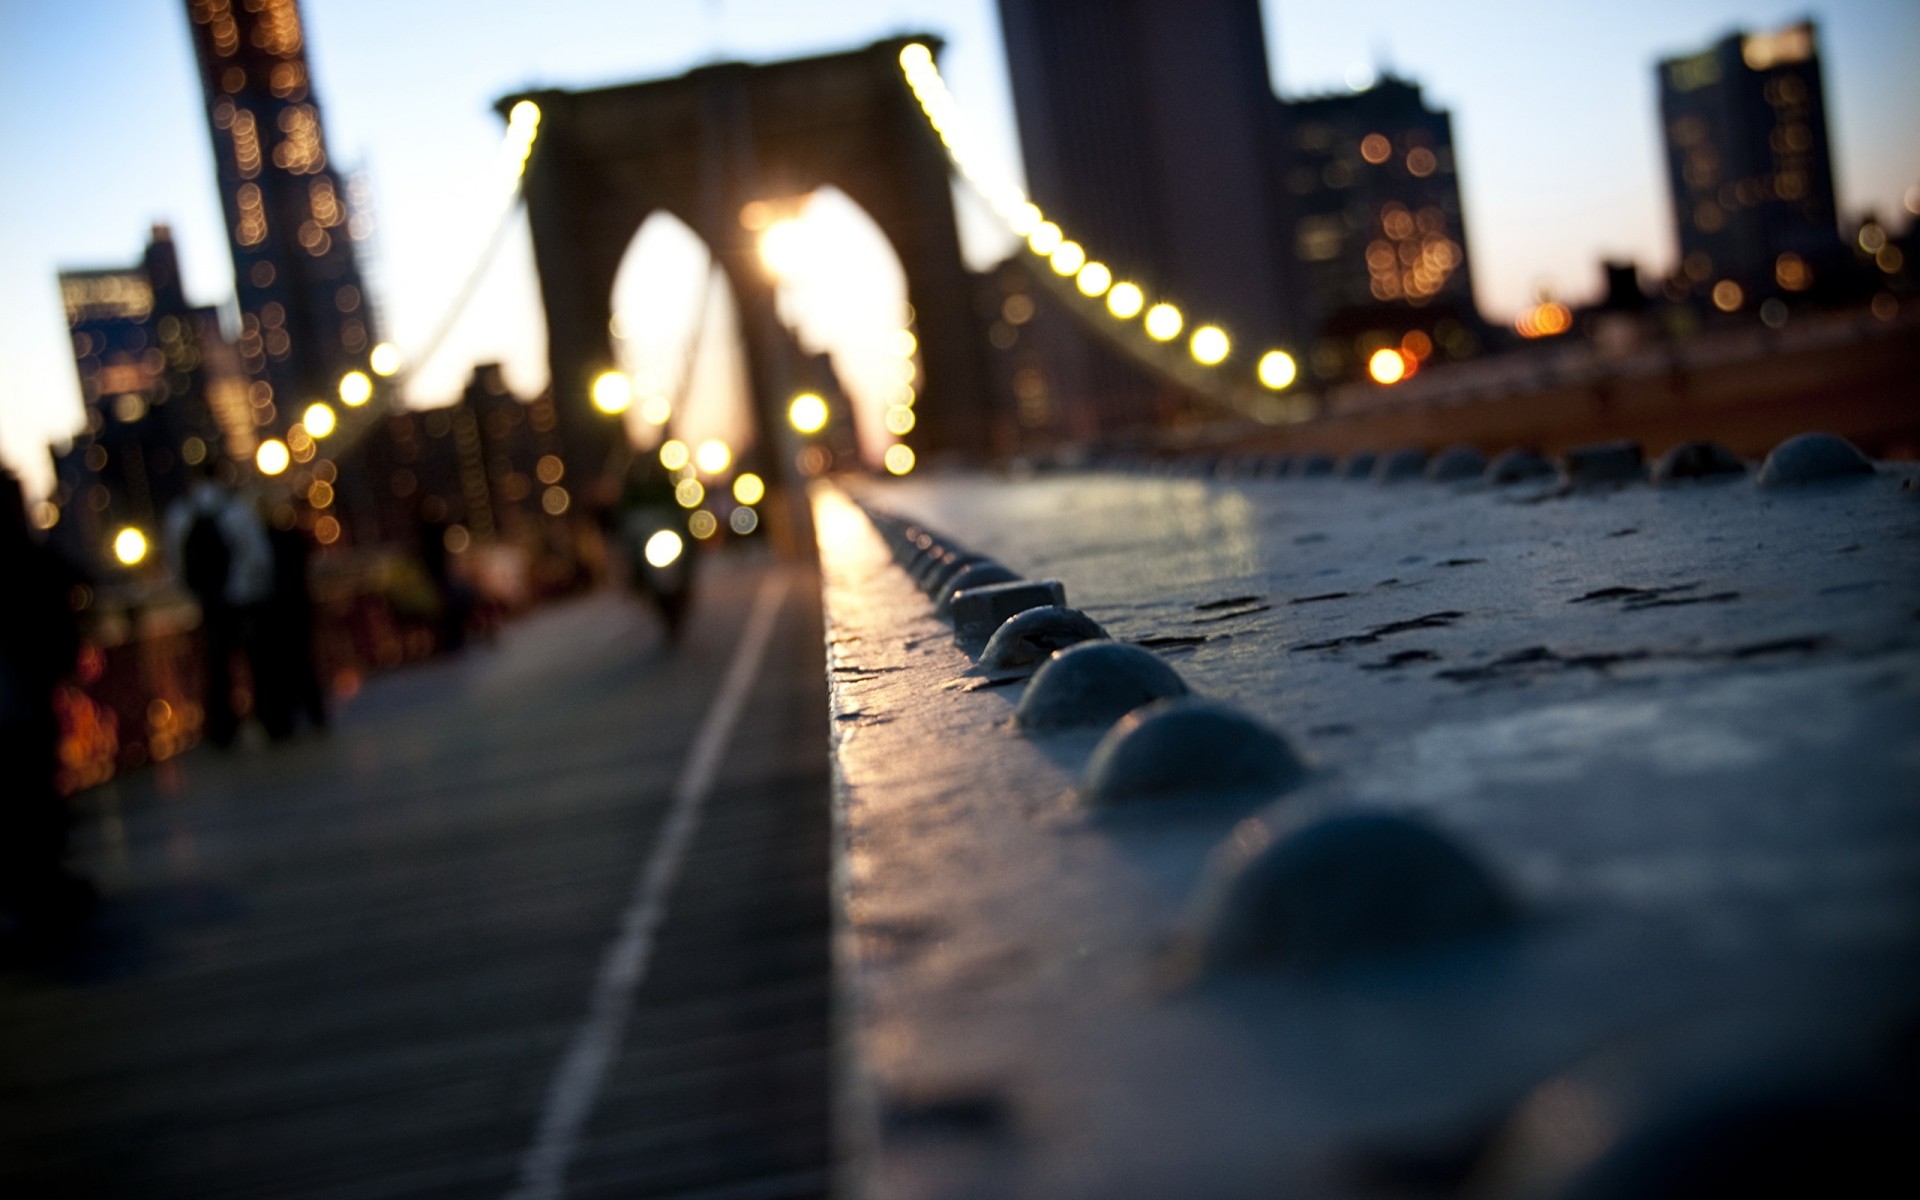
point(1553, 105)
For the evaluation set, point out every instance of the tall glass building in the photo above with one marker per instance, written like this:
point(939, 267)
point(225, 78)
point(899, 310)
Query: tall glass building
point(1748, 164)
point(305, 318)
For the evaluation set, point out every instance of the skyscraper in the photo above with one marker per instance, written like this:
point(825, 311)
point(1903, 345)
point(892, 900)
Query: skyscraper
point(1145, 131)
point(161, 392)
point(1751, 177)
point(305, 319)
point(1329, 226)
point(1144, 126)
point(1378, 242)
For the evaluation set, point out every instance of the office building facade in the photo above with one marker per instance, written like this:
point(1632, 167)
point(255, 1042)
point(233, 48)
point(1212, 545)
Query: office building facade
point(1328, 226)
point(162, 391)
point(305, 318)
point(1377, 242)
point(1749, 168)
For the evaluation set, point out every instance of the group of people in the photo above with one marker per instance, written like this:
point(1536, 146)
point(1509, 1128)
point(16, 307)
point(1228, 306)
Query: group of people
point(249, 576)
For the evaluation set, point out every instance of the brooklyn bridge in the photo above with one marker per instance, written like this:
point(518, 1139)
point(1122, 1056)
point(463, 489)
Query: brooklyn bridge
point(1180, 735)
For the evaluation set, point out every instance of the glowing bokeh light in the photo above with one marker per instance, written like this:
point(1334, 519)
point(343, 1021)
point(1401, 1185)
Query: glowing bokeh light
point(318, 420)
point(807, 413)
point(1094, 279)
point(1067, 258)
point(674, 454)
point(1164, 322)
point(1547, 319)
point(743, 521)
point(656, 410)
point(900, 420)
point(1045, 238)
point(272, 457)
point(689, 493)
point(355, 389)
point(1387, 366)
point(749, 488)
point(130, 547)
point(1728, 296)
point(384, 360)
point(1126, 300)
point(1209, 345)
point(703, 525)
point(784, 247)
point(713, 457)
point(1278, 370)
point(899, 459)
point(612, 392)
point(663, 549)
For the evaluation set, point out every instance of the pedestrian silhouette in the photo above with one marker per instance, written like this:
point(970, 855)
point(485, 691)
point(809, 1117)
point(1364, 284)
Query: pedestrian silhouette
point(218, 547)
point(288, 685)
point(39, 641)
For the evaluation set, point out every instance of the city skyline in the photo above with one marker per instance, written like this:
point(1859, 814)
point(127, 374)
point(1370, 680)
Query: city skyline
point(129, 147)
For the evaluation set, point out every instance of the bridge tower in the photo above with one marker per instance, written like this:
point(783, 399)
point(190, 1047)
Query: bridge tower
point(702, 147)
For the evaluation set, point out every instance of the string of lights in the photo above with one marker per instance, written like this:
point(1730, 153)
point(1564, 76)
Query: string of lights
point(1145, 328)
point(273, 457)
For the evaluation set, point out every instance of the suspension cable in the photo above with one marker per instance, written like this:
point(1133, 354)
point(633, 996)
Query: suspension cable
point(1092, 291)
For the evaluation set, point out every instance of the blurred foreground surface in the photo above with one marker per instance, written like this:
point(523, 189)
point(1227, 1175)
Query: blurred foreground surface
point(350, 966)
point(1681, 725)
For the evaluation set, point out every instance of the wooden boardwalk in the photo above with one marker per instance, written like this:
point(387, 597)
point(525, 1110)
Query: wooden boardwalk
point(353, 966)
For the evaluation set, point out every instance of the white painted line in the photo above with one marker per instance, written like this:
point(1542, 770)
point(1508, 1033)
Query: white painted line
point(576, 1085)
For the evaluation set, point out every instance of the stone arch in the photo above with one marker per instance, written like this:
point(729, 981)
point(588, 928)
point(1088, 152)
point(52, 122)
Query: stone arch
point(678, 325)
point(704, 145)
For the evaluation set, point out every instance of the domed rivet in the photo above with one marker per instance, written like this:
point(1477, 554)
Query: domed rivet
point(1095, 684)
point(974, 574)
point(979, 611)
point(1697, 460)
point(1189, 747)
point(1026, 639)
point(935, 578)
point(1352, 886)
point(1403, 464)
point(917, 560)
point(1513, 466)
point(1605, 462)
point(1456, 463)
point(1813, 458)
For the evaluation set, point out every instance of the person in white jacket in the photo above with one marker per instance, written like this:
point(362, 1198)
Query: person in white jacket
point(217, 545)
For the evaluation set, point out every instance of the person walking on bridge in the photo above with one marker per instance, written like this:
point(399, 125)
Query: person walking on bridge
point(218, 547)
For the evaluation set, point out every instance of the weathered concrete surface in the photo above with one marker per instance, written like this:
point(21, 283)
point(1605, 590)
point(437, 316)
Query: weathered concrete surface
point(1681, 724)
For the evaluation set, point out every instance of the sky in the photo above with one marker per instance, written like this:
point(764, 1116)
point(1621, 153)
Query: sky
point(1554, 112)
